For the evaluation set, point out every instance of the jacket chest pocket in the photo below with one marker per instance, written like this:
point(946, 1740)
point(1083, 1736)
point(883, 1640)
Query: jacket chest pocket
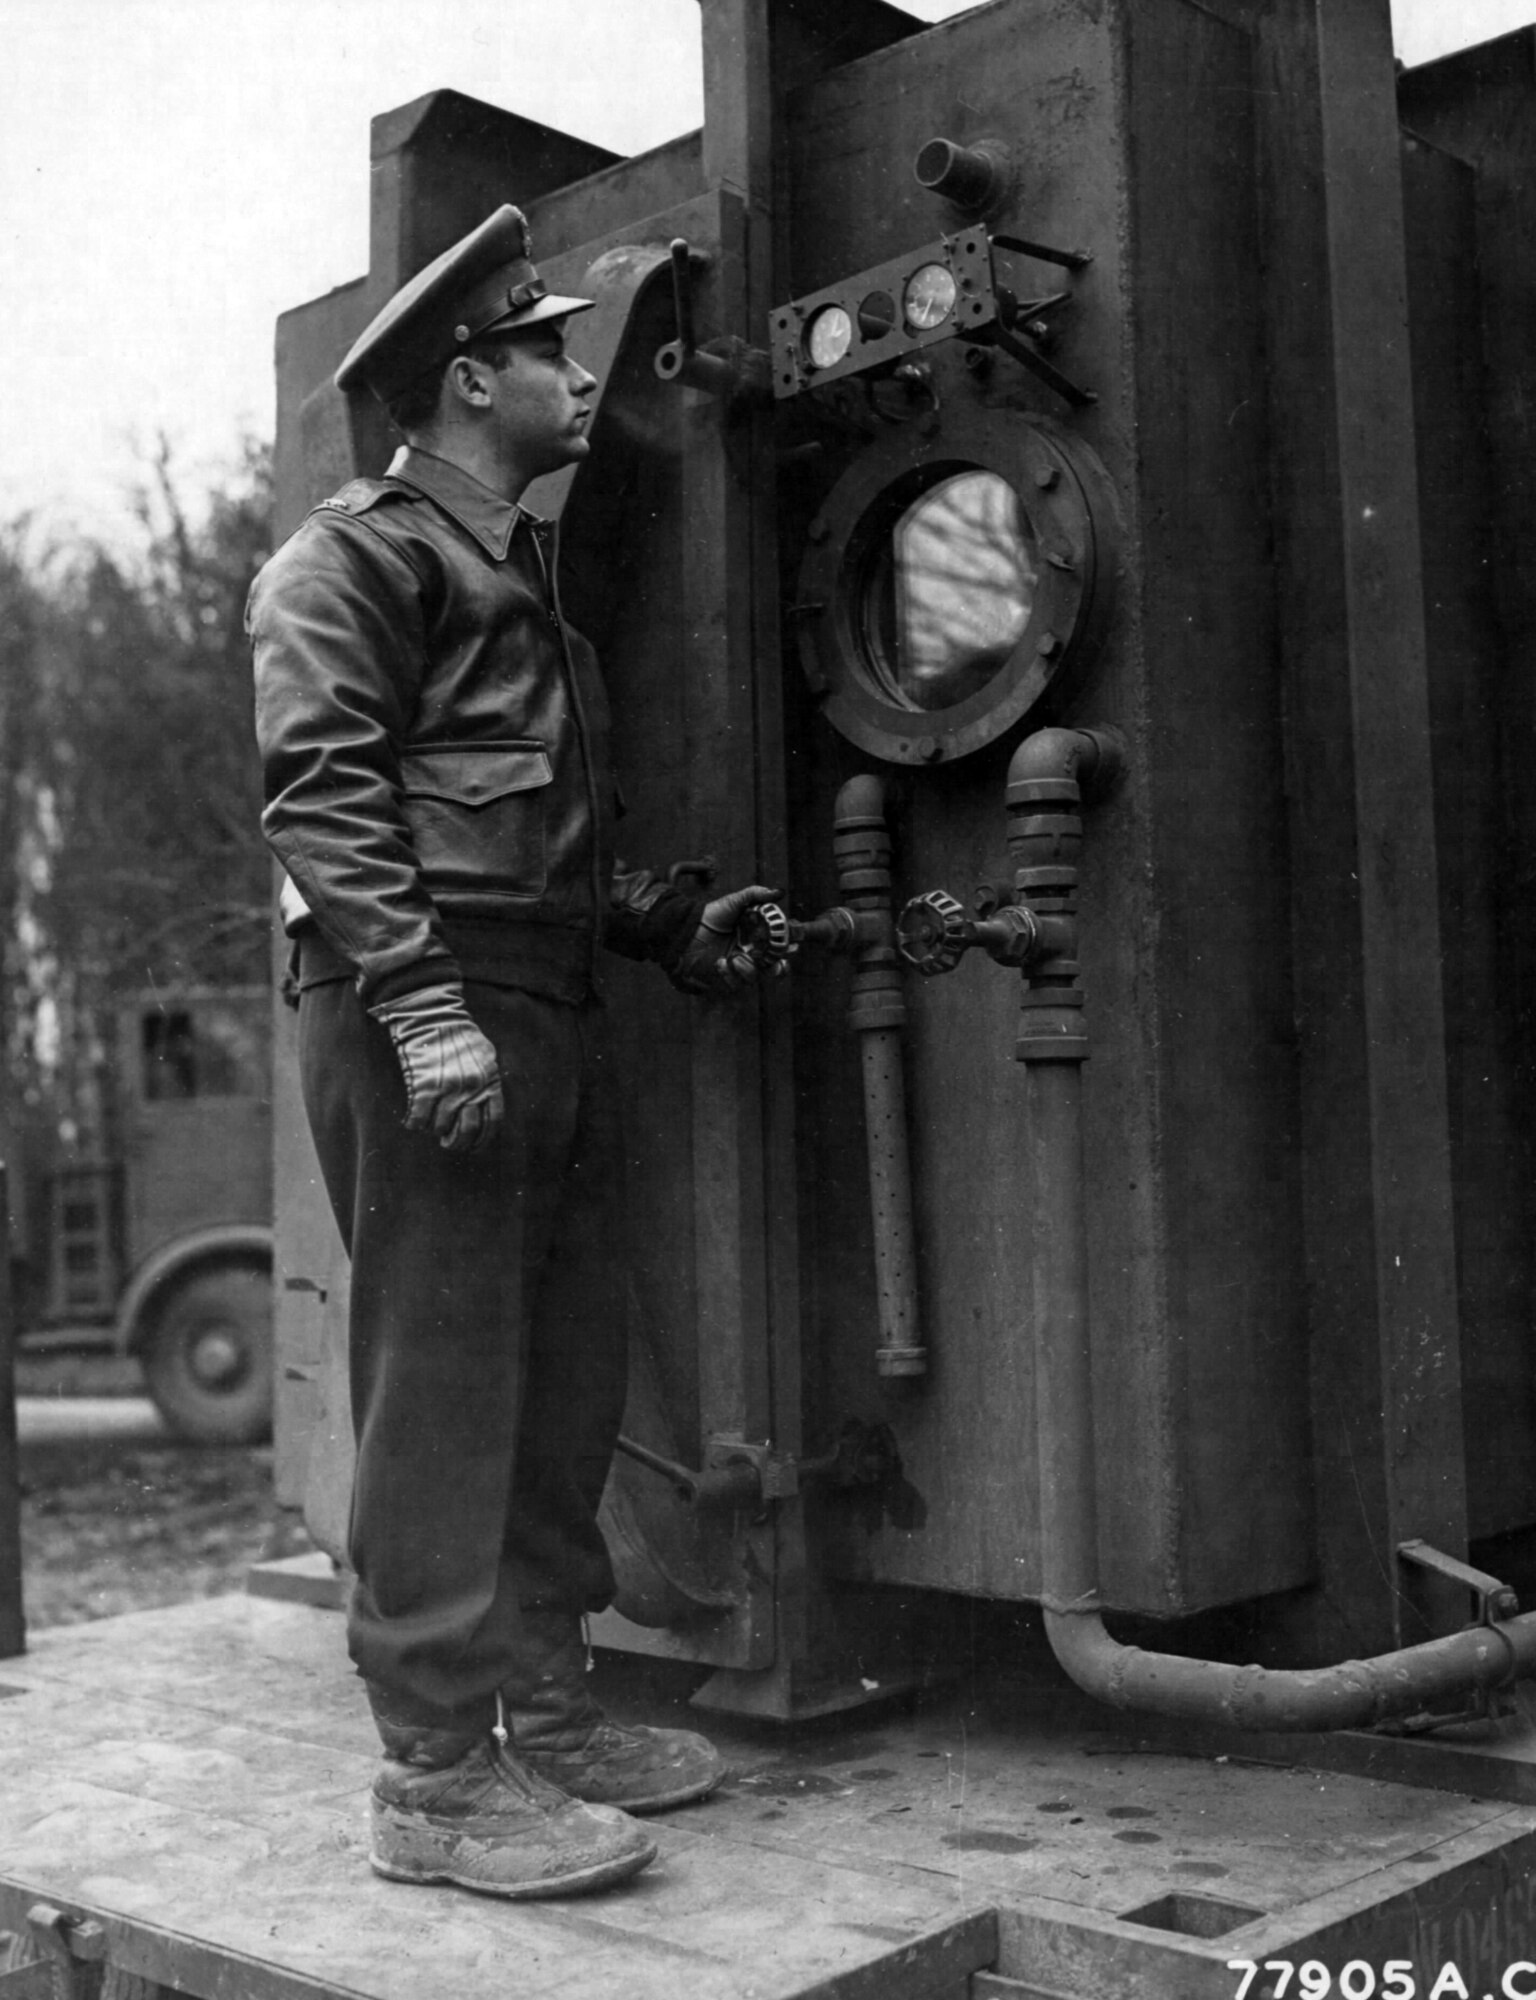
point(477, 814)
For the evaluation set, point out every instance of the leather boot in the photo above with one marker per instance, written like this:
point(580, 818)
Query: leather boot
point(485, 1822)
point(564, 1737)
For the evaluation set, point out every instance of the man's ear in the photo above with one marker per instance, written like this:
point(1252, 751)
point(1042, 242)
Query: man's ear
point(467, 381)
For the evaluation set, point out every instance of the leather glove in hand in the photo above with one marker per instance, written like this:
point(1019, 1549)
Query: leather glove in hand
point(710, 964)
point(452, 1083)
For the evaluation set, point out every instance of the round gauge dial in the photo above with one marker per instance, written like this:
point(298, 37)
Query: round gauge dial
point(828, 337)
point(929, 297)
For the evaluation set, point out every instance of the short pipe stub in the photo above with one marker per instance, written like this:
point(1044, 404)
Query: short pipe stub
point(969, 176)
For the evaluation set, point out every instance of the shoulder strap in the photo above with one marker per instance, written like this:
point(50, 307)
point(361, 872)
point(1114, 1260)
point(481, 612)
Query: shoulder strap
point(359, 495)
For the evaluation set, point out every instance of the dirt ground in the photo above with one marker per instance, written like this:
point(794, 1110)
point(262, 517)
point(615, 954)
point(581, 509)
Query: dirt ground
point(113, 1527)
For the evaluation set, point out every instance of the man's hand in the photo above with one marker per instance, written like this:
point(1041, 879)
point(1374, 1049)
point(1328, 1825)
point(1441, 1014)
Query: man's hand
point(452, 1083)
point(711, 964)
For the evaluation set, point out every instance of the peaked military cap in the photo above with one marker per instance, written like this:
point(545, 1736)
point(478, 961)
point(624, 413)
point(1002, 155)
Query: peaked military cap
point(485, 283)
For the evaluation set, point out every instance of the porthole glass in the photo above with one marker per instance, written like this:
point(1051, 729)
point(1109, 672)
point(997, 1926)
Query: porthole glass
point(948, 592)
point(959, 572)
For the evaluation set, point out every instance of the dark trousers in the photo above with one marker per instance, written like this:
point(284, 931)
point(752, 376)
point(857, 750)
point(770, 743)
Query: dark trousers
point(487, 1345)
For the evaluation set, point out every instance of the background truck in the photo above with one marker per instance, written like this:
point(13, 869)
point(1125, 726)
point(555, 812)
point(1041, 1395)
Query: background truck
point(157, 1243)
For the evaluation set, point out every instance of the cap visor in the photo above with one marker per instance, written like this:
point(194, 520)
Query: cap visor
point(534, 315)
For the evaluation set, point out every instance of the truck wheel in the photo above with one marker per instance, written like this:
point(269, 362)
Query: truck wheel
point(208, 1356)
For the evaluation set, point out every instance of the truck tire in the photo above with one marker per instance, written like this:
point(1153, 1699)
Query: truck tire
point(208, 1355)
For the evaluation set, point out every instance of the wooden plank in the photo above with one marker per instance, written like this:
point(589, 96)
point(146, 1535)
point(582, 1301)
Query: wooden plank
point(310, 1917)
point(230, 1853)
point(226, 1851)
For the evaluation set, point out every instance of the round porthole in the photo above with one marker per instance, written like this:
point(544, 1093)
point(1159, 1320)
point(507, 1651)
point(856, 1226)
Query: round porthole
point(952, 579)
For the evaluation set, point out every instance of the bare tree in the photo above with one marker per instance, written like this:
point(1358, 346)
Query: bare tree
point(129, 818)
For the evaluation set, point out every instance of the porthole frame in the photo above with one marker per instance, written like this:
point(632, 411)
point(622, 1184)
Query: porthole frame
point(1067, 499)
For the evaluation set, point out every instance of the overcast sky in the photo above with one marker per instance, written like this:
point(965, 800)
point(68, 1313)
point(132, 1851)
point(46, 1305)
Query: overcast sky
point(174, 173)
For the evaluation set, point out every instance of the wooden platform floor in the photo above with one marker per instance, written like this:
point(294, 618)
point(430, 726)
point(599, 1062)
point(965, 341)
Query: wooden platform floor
point(196, 1778)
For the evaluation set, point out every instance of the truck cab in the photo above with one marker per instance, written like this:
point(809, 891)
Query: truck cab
point(163, 1240)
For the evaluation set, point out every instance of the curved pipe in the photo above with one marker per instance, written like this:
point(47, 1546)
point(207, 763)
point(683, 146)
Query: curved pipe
point(1044, 779)
point(1091, 759)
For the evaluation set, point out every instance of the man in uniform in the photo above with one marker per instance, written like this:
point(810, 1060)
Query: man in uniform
point(434, 740)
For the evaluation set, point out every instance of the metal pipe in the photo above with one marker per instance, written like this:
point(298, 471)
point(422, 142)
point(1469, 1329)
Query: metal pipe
point(1044, 835)
point(969, 176)
point(877, 1013)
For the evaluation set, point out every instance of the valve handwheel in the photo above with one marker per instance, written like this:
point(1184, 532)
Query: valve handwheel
point(764, 934)
point(933, 932)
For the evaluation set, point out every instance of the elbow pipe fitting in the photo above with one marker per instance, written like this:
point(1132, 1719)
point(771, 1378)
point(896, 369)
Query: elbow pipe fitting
point(1044, 780)
point(1355, 1694)
point(1092, 760)
point(859, 799)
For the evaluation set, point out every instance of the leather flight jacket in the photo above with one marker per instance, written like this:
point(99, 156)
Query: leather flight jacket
point(434, 741)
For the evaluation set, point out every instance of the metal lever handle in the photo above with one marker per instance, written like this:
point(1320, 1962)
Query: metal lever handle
point(682, 294)
point(680, 360)
point(721, 1489)
point(727, 368)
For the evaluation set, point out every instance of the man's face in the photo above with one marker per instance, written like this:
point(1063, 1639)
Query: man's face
point(540, 401)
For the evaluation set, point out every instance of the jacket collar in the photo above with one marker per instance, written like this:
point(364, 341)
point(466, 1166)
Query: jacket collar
point(489, 518)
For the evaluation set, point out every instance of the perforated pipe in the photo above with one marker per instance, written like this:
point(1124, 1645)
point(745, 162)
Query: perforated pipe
point(1044, 830)
point(877, 1013)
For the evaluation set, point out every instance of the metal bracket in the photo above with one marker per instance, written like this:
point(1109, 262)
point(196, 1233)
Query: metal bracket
point(1495, 1601)
point(699, 873)
point(776, 1474)
point(1013, 334)
point(1066, 260)
point(985, 312)
point(75, 1948)
point(864, 1455)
